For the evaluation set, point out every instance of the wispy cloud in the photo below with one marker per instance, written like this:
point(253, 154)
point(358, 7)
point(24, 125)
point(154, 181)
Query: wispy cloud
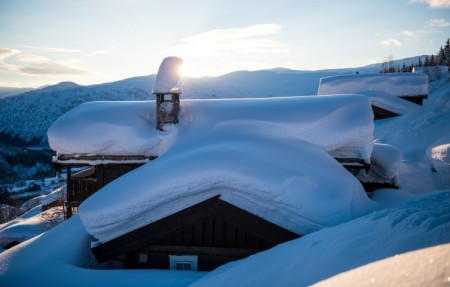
point(37, 65)
point(438, 23)
point(415, 35)
point(434, 3)
point(391, 42)
point(102, 51)
point(4, 54)
point(51, 49)
point(30, 58)
point(251, 39)
point(52, 68)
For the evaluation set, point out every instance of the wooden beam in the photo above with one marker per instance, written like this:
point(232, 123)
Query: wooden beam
point(215, 251)
point(380, 113)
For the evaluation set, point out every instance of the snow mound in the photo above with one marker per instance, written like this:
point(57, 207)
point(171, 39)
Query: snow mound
point(424, 267)
point(341, 125)
point(30, 224)
point(416, 134)
point(391, 84)
point(277, 180)
point(439, 156)
point(64, 254)
point(266, 156)
point(384, 165)
point(423, 221)
point(108, 128)
point(169, 80)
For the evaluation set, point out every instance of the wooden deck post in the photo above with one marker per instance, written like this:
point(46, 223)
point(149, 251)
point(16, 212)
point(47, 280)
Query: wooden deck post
point(69, 192)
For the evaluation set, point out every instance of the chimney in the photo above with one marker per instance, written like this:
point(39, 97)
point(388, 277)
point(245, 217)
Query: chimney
point(169, 83)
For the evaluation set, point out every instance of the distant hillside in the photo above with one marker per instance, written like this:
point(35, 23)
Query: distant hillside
point(28, 115)
point(8, 92)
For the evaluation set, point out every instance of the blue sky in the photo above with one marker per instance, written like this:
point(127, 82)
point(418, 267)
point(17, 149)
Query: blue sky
point(94, 41)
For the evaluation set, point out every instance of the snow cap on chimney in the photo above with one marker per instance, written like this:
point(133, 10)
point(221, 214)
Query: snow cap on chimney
point(169, 79)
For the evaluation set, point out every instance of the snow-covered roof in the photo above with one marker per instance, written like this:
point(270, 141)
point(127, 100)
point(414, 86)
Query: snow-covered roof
point(169, 80)
point(391, 84)
point(341, 125)
point(267, 156)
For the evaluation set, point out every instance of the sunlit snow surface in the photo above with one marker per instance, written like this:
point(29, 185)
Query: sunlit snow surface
point(341, 125)
point(63, 255)
point(266, 156)
point(421, 222)
point(383, 90)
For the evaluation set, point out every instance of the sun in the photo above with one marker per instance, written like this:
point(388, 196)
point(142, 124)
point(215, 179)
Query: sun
point(184, 70)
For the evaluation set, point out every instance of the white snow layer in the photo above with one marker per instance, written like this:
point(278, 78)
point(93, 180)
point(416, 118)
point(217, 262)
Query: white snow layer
point(391, 84)
point(382, 89)
point(342, 125)
point(424, 267)
point(169, 78)
point(62, 256)
point(63, 253)
point(421, 222)
point(384, 165)
point(259, 155)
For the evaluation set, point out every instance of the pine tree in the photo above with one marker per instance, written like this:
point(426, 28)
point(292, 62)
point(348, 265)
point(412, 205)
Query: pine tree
point(420, 63)
point(432, 60)
point(447, 53)
point(441, 59)
point(427, 61)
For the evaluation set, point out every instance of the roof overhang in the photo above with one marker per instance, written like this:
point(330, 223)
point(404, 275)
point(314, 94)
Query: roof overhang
point(86, 159)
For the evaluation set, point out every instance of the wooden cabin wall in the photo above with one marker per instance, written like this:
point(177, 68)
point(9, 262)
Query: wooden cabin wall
point(83, 184)
point(215, 231)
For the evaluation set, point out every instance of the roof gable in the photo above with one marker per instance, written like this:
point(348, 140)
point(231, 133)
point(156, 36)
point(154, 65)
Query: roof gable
point(212, 218)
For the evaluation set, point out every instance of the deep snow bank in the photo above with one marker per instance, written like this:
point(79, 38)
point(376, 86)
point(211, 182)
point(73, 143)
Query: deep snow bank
point(424, 267)
point(383, 90)
point(421, 222)
point(341, 125)
point(62, 256)
point(422, 135)
point(391, 84)
point(288, 182)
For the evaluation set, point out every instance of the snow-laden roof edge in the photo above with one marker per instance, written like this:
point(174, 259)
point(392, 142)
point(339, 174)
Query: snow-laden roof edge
point(391, 84)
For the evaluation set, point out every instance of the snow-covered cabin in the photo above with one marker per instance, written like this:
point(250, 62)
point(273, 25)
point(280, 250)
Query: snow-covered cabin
point(390, 94)
point(269, 160)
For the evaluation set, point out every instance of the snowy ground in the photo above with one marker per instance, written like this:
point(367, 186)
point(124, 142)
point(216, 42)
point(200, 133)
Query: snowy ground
point(414, 217)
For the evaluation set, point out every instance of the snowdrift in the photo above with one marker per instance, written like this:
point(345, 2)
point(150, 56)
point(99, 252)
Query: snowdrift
point(391, 84)
point(342, 125)
point(63, 253)
point(425, 267)
point(290, 183)
point(384, 90)
point(421, 222)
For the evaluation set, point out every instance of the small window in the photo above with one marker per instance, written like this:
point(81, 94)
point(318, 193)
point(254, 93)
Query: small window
point(142, 257)
point(183, 262)
point(183, 266)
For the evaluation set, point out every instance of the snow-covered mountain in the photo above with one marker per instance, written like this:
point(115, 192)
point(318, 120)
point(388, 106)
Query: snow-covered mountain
point(8, 92)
